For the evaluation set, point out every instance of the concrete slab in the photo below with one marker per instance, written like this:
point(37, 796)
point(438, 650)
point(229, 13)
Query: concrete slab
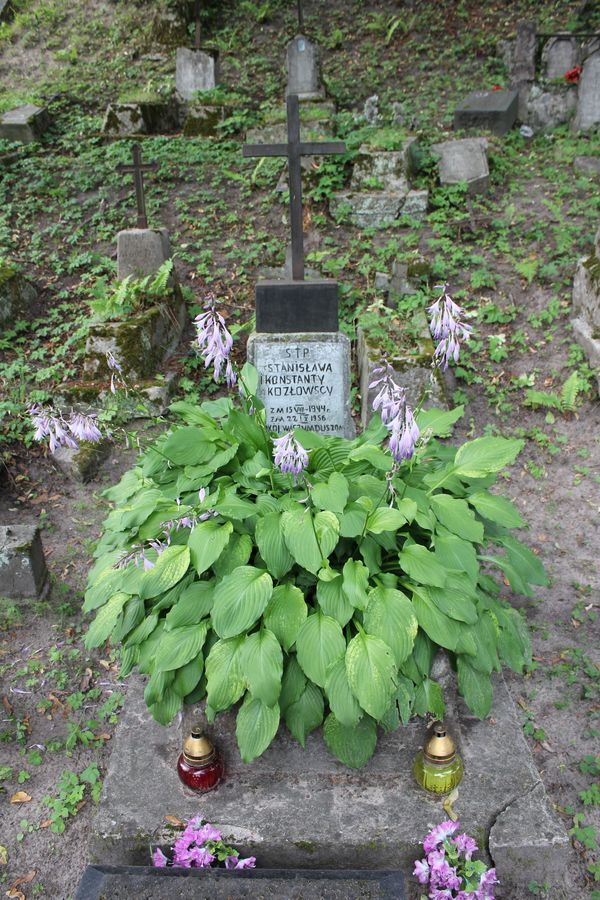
point(295, 808)
point(464, 161)
point(23, 573)
point(124, 882)
point(495, 111)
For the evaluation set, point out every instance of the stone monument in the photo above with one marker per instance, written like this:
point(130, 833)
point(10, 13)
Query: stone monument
point(303, 68)
point(302, 358)
point(196, 70)
point(495, 111)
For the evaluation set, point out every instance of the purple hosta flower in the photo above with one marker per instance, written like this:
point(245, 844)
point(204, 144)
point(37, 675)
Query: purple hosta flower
point(159, 859)
point(137, 554)
point(396, 414)
point(289, 455)
point(51, 425)
point(439, 834)
point(465, 844)
point(421, 870)
point(214, 340)
point(116, 373)
point(447, 328)
point(404, 434)
point(84, 428)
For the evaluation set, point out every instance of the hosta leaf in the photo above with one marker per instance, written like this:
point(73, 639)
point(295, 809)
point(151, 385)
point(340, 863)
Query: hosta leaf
point(486, 455)
point(390, 616)
point(422, 566)
point(256, 726)
point(353, 520)
point(524, 561)
point(333, 601)
point(333, 495)
point(353, 745)
point(285, 614)
point(385, 518)
point(429, 698)
point(188, 676)
point(300, 539)
point(441, 628)
point(165, 710)
point(237, 553)
point(327, 527)
point(405, 698)
point(454, 601)
point(454, 553)
point(342, 701)
point(240, 599)
point(475, 687)
point(319, 643)
point(261, 661)
point(206, 543)
point(235, 507)
point(272, 546)
point(178, 646)
point(225, 682)
point(496, 509)
point(194, 605)
point(170, 567)
point(130, 617)
point(306, 713)
point(292, 683)
point(439, 421)
point(373, 455)
point(105, 621)
point(514, 642)
point(457, 517)
point(371, 673)
point(184, 448)
point(355, 583)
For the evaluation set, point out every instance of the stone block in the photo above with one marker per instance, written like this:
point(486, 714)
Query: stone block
point(141, 343)
point(23, 573)
point(380, 170)
point(124, 882)
point(494, 111)
point(551, 106)
point(195, 72)
point(464, 161)
point(304, 77)
point(203, 120)
point(560, 54)
point(522, 63)
point(123, 119)
point(25, 124)
point(587, 116)
point(295, 808)
point(415, 205)
point(304, 381)
point(141, 251)
point(168, 26)
point(83, 464)
point(587, 165)
point(16, 295)
point(367, 209)
point(296, 306)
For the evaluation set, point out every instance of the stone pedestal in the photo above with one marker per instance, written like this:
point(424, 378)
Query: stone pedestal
point(195, 71)
point(124, 119)
point(23, 573)
point(142, 251)
point(304, 77)
point(464, 161)
point(304, 381)
point(81, 465)
point(24, 124)
point(494, 111)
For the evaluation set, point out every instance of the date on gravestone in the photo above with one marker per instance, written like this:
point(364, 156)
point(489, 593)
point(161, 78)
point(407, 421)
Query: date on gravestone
point(304, 381)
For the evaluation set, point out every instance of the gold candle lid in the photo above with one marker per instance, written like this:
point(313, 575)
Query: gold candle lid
point(440, 748)
point(198, 750)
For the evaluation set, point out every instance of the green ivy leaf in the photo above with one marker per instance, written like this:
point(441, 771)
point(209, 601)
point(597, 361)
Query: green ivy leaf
point(371, 673)
point(272, 546)
point(333, 495)
point(224, 680)
point(206, 543)
point(306, 713)
point(422, 566)
point(261, 661)
point(485, 455)
point(390, 616)
point(240, 599)
point(178, 646)
point(353, 745)
point(319, 643)
point(256, 726)
point(286, 613)
point(342, 701)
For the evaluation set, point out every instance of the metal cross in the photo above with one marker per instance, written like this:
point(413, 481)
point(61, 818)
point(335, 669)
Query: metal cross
point(197, 17)
point(300, 17)
point(137, 170)
point(294, 150)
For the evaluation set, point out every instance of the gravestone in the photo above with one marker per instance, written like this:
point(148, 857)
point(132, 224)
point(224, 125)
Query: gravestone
point(25, 124)
point(550, 106)
point(587, 165)
point(560, 54)
point(196, 70)
point(131, 117)
point(587, 116)
point(23, 573)
point(303, 360)
point(304, 79)
point(522, 63)
point(124, 882)
point(495, 111)
point(586, 306)
point(17, 294)
point(464, 161)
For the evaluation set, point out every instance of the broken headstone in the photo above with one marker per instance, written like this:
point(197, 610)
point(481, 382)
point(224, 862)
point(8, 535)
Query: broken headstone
point(464, 161)
point(25, 124)
point(494, 111)
point(16, 294)
point(588, 104)
point(23, 573)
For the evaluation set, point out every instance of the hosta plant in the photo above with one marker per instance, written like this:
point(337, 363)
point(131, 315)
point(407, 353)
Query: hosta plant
point(310, 580)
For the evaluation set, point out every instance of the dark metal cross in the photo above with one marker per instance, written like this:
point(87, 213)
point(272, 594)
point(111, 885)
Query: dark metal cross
point(137, 170)
point(300, 17)
point(294, 150)
point(197, 17)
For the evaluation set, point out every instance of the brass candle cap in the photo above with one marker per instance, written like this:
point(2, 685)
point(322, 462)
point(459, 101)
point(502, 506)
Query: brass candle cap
point(440, 748)
point(198, 750)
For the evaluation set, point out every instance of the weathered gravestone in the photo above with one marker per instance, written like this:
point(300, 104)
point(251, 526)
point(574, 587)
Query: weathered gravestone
point(23, 573)
point(25, 124)
point(587, 116)
point(522, 64)
point(586, 306)
point(495, 111)
point(303, 360)
point(560, 54)
point(304, 79)
point(464, 162)
point(196, 70)
point(16, 294)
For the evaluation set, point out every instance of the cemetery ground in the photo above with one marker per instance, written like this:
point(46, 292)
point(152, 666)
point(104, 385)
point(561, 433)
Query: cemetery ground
point(509, 256)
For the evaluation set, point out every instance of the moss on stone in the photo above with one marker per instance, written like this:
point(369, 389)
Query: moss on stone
point(309, 846)
point(8, 270)
point(592, 265)
point(203, 120)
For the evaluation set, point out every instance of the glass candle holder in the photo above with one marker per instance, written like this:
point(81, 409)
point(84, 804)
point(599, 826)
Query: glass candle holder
point(438, 768)
point(199, 765)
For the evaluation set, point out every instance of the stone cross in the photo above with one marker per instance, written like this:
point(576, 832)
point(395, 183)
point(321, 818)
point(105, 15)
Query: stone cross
point(294, 150)
point(137, 170)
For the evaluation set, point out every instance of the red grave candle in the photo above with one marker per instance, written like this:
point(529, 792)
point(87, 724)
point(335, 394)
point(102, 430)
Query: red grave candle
point(199, 765)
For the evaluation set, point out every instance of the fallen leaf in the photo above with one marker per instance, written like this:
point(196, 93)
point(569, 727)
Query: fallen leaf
point(173, 820)
point(86, 680)
point(447, 804)
point(14, 893)
point(104, 736)
point(46, 823)
point(20, 797)
point(3, 856)
point(22, 879)
point(105, 664)
point(7, 705)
